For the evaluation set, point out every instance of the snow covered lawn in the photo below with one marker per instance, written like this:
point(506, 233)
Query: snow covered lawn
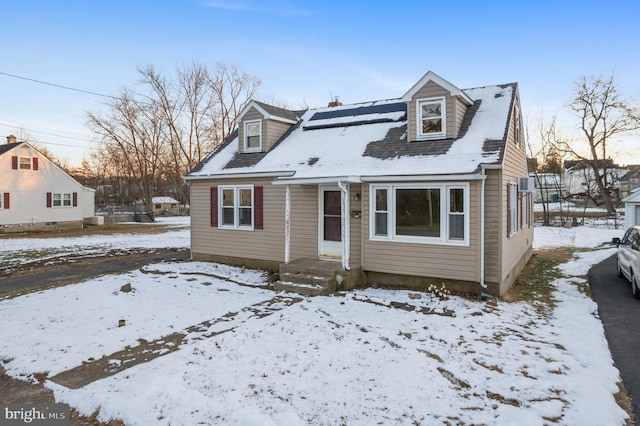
point(350, 359)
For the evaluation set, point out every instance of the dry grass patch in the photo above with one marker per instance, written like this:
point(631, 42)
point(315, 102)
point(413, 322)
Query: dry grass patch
point(534, 284)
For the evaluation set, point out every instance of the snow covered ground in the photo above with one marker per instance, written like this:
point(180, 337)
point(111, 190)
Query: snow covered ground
point(345, 359)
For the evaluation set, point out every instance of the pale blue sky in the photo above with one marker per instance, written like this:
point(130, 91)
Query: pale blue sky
point(306, 51)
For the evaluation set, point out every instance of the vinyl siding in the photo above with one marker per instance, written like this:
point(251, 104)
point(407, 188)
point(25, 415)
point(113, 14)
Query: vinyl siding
point(492, 226)
point(267, 243)
point(274, 130)
point(425, 260)
point(432, 90)
point(356, 224)
point(518, 246)
point(304, 221)
point(460, 111)
point(260, 244)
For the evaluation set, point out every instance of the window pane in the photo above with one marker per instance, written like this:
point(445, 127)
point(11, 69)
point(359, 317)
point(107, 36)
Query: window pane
point(332, 229)
point(381, 224)
point(245, 197)
point(245, 216)
point(332, 203)
point(431, 110)
point(456, 227)
point(25, 163)
point(253, 129)
point(227, 216)
point(381, 200)
point(418, 212)
point(253, 142)
point(67, 199)
point(227, 197)
point(456, 200)
point(432, 126)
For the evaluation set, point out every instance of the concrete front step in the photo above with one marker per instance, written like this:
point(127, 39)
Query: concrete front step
point(308, 276)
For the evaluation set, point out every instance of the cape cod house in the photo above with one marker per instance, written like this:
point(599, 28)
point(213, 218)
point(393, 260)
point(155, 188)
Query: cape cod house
point(428, 188)
point(37, 195)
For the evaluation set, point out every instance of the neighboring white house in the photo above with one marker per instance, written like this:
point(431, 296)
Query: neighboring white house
point(579, 179)
point(36, 194)
point(549, 187)
point(632, 209)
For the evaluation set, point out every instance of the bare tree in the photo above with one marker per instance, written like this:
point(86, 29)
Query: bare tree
point(548, 175)
point(132, 135)
point(160, 131)
point(603, 116)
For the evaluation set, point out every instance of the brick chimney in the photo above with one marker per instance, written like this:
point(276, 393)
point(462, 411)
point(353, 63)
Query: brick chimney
point(11, 139)
point(335, 103)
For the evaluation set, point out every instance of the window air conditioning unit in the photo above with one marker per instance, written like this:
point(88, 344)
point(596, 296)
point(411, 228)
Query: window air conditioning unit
point(526, 184)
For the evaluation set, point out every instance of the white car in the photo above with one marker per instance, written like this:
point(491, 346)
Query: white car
point(629, 258)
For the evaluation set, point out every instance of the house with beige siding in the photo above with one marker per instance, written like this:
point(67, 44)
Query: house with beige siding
point(428, 188)
point(36, 194)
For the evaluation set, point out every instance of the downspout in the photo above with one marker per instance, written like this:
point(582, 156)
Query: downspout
point(482, 283)
point(287, 224)
point(344, 224)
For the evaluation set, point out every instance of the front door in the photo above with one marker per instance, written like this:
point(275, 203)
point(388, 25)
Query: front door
point(330, 223)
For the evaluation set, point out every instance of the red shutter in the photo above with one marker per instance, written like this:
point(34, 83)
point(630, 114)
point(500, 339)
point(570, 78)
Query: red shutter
point(6, 200)
point(214, 206)
point(48, 199)
point(257, 207)
point(35, 163)
point(508, 209)
point(14, 162)
point(75, 199)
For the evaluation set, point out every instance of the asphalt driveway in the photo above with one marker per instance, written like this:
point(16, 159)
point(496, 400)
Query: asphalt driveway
point(43, 277)
point(620, 315)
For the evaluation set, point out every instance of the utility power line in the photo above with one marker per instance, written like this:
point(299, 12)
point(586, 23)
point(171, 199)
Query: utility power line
point(57, 85)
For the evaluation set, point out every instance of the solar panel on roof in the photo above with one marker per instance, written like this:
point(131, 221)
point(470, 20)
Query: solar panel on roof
point(364, 110)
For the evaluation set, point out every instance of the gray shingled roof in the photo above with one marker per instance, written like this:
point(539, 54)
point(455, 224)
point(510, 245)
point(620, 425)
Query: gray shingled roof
point(373, 141)
point(8, 147)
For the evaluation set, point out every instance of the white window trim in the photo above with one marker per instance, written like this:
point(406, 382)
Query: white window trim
point(443, 109)
point(61, 194)
point(513, 199)
point(444, 214)
point(246, 136)
point(524, 210)
point(236, 207)
point(20, 162)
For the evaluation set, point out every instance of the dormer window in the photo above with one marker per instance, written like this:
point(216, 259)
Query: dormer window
point(253, 136)
point(431, 118)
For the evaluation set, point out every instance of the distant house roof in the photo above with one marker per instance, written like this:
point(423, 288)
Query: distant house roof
point(163, 200)
point(634, 197)
point(370, 139)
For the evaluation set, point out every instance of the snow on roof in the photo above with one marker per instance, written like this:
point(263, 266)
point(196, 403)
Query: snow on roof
point(334, 142)
point(163, 200)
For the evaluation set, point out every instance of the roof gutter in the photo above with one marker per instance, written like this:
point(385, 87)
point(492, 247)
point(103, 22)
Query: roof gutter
point(238, 175)
point(423, 178)
point(287, 180)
